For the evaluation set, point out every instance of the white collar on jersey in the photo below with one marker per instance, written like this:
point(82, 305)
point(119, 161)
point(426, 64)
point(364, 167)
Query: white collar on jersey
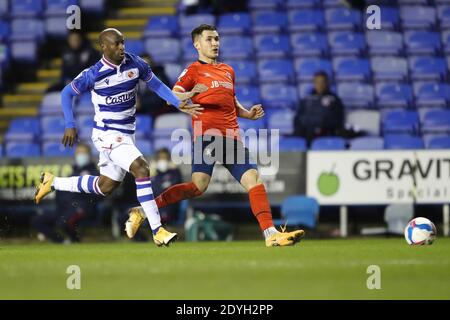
point(112, 65)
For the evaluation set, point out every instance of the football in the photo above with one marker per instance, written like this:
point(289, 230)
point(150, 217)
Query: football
point(420, 231)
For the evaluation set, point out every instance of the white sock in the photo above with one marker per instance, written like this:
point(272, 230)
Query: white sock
point(270, 232)
point(80, 184)
point(145, 197)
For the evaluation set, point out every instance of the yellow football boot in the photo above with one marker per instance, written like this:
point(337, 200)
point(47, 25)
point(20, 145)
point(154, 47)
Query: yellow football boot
point(136, 217)
point(164, 237)
point(45, 187)
point(283, 238)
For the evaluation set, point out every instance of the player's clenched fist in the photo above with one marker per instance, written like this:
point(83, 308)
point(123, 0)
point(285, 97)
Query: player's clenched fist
point(70, 137)
point(256, 112)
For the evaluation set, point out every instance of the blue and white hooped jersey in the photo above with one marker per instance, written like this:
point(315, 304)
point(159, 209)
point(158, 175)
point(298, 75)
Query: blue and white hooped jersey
point(113, 90)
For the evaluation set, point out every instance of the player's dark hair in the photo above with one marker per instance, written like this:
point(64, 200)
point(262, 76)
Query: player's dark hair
point(321, 73)
point(198, 31)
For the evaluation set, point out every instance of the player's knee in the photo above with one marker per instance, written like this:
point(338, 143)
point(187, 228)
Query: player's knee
point(201, 186)
point(107, 189)
point(142, 171)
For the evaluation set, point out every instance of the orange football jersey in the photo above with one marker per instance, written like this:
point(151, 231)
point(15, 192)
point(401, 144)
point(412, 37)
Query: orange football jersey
point(218, 101)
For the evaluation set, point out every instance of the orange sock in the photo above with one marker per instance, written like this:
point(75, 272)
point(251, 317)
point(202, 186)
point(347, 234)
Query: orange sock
point(177, 193)
point(260, 206)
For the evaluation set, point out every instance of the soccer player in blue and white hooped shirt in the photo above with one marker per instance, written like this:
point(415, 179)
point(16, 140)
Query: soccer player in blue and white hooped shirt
point(112, 82)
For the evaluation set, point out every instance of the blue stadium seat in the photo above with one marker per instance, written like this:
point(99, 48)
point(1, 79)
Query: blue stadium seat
point(265, 5)
point(163, 50)
point(268, 21)
point(143, 126)
point(27, 29)
point(52, 127)
point(367, 121)
point(51, 104)
point(436, 121)
point(248, 95)
point(332, 3)
point(405, 142)
point(56, 27)
point(309, 44)
point(281, 120)
point(390, 18)
point(23, 129)
point(302, 4)
point(306, 20)
point(431, 94)
point(271, 46)
point(446, 41)
point(384, 42)
point(4, 8)
point(234, 23)
point(292, 144)
point(245, 124)
point(92, 6)
point(412, 2)
point(245, 71)
point(85, 123)
point(307, 67)
point(356, 95)
point(22, 149)
point(299, 211)
point(84, 105)
point(165, 124)
point(58, 7)
point(367, 143)
point(56, 149)
point(392, 95)
point(161, 26)
point(173, 71)
point(328, 143)
point(188, 23)
point(189, 52)
point(427, 68)
point(418, 17)
point(276, 70)
point(400, 121)
point(439, 142)
point(389, 68)
point(304, 89)
point(144, 146)
point(134, 46)
point(444, 16)
point(24, 51)
point(346, 43)
point(4, 31)
point(279, 96)
point(422, 42)
point(26, 8)
point(342, 19)
point(351, 69)
point(236, 47)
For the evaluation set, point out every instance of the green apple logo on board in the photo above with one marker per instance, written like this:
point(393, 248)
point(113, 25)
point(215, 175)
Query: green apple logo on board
point(328, 183)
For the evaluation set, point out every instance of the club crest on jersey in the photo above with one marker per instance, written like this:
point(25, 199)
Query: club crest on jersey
point(130, 74)
point(107, 81)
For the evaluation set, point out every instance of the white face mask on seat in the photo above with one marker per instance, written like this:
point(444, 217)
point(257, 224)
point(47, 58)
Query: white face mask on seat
point(162, 165)
point(82, 159)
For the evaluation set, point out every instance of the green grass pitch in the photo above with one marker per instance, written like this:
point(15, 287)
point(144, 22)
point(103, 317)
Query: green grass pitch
point(314, 269)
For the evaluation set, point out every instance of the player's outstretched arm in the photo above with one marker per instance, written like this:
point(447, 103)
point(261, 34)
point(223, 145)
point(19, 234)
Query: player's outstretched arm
point(70, 133)
point(254, 113)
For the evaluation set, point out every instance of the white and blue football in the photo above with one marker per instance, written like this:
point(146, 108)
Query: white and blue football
point(420, 231)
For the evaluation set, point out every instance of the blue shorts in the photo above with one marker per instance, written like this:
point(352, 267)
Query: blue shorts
point(231, 153)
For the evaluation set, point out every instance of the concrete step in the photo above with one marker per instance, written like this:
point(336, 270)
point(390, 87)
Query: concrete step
point(150, 3)
point(32, 87)
point(145, 12)
point(126, 25)
point(21, 100)
point(56, 63)
point(7, 113)
point(49, 75)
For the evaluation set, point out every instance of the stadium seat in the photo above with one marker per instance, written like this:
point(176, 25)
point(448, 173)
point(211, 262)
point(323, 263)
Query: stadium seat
point(412, 2)
point(281, 120)
point(342, 19)
point(271, 46)
point(309, 44)
point(367, 143)
point(265, 5)
point(161, 26)
point(56, 149)
point(26, 8)
point(236, 47)
point(163, 50)
point(389, 68)
point(418, 17)
point(23, 129)
point(166, 142)
point(24, 51)
point(134, 46)
point(427, 68)
point(351, 68)
point(332, 3)
point(27, 29)
point(422, 42)
point(431, 94)
point(56, 27)
point(436, 121)
point(245, 124)
point(346, 43)
point(190, 54)
point(4, 8)
point(390, 18)
point(292, 144)
point(307, 67)
point(393, 95)
point(328, 143)
point(367, 121)
point(173, 71)
point(22, 149)
point(306, 20)
point(234, 23)
point(446, 41)
point(58, 7)
point(248, 95)
point(356, 95)
point(143, 126)
point(302, 4)
point(188, 23)
point(299, 210)
point(279, 96)
point(165, 124)
point(92, 6)
point(304, 89)
point(4, 31)
point(439, 142)
point(269, 22)
point(400, 121)
point(85, 123)
point(384, 42)
point(444, 16)
point(52, 127)
point(84, 105)
point(144, 146)
point(245, 71)
point(276, 70)
point(399, 142)
point(51, 104)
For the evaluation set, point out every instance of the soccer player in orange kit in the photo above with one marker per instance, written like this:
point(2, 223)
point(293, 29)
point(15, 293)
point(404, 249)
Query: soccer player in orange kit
point(217, 125)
